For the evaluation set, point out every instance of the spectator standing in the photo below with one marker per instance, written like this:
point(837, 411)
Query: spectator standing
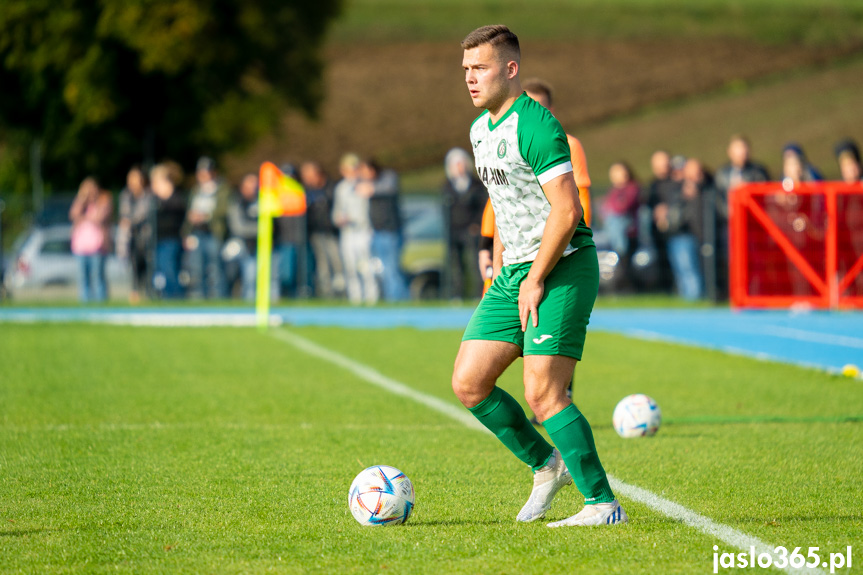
point(703, 217)
point(795, 169)
point(292, 241)
point(170, 213)
point(464, 199)
point(323, 234)
point(204, 231)
point(799, 217)
point(620, 208)
point(661, 189)
point(243, 214)
point(851, 171)
point(351, 216)
point(739, 170)
point(382, 189)
point(848, 158)
point(794, 152)
point(90, 214)
point(678, 164)
point(135, 230)
point(677, 217)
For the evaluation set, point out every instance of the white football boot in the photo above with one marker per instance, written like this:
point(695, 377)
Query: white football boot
point(546, 483)
point(596, 514)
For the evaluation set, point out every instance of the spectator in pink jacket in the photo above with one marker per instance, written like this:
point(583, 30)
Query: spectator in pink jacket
point(91, 238)
point(620, 208)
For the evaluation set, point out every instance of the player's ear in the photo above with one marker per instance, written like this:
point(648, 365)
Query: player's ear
point(511, 69)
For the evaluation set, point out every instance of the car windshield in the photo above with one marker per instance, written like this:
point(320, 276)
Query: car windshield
point(57, 247)
point(423, 218)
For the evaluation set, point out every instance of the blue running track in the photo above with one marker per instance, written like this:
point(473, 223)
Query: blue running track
point(820, 340)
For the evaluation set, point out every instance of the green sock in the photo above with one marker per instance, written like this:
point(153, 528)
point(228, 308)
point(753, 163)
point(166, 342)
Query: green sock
point(504, 417)
point(571, 434)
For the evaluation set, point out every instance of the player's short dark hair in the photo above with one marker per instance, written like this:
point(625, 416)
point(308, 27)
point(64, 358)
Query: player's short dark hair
point(496, 35)
point(538, 86)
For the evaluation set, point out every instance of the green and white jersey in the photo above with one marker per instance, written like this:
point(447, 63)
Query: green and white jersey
point(525, 149)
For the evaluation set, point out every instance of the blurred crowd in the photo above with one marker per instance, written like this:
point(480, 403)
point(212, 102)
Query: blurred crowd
point(202, 242)
point(679, 218)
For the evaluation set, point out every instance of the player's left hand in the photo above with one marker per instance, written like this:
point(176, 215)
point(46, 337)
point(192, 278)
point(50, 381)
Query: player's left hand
point(529, 295)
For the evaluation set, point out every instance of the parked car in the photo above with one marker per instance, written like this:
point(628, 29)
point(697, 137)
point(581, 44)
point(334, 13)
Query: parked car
point(425, 250)
point(424, 245)
point(641, 274)
point(42, 266)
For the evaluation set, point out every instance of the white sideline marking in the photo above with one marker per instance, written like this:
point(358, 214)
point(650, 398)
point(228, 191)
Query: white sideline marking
point(146, 319)
point(377, 378)
point(724, 533)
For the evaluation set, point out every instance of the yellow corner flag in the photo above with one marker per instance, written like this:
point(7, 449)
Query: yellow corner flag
point(279, 195)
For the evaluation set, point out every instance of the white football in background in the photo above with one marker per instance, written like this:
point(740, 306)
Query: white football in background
point(636, 415)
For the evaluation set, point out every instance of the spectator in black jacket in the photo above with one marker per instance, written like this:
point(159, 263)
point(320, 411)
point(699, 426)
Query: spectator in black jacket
point(323, 234)
point(243, 227)
point(740, 169)
point(660, 191)
point(382, 189)
point(135, 232)
point(170, 213)
point(292, 248)
point(678, 217)
point(464, 199)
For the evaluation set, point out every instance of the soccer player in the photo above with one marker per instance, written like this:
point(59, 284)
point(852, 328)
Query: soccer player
point(540, 91)
point(546, 281)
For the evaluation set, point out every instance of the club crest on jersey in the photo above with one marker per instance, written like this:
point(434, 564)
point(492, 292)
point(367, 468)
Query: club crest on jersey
point(501, 149)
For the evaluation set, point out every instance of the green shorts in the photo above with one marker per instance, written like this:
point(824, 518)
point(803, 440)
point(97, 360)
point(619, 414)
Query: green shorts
point(564, 312)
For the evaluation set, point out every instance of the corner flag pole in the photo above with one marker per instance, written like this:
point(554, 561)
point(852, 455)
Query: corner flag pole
point(278, 195)
point(265, 252)
point(267, 207)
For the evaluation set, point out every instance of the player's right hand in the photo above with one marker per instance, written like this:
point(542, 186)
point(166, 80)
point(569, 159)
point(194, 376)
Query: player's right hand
point(529, 295)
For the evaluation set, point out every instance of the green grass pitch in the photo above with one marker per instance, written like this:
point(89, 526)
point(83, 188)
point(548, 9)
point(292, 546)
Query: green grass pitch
point(225, 450)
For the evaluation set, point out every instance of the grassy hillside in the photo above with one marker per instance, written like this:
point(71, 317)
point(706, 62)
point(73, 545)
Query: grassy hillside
point(774, 21)
point(814, 108)
point(395, 88)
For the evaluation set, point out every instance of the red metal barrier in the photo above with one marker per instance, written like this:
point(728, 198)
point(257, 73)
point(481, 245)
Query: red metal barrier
point(796, 245)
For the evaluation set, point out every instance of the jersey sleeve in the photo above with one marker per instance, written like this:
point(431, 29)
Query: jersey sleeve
point(543, 144)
